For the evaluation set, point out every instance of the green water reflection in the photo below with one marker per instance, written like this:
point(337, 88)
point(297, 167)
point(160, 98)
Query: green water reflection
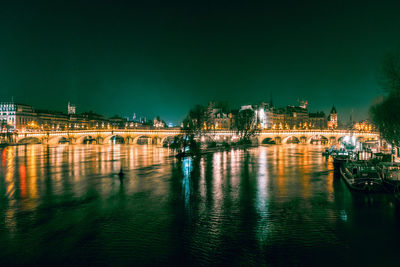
point(272, 205)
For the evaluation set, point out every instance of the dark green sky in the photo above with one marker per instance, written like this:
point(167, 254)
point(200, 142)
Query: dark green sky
point(158, 58)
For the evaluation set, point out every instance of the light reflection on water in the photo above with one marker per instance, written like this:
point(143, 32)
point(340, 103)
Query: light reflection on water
point(268, 205)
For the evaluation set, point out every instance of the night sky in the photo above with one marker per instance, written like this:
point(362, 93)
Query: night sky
point(157, 58)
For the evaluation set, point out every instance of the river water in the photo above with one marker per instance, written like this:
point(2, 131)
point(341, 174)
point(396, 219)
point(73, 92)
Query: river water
point(271, 205)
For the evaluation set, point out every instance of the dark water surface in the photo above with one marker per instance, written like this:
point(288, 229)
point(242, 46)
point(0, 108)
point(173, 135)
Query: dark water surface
point(276, 205)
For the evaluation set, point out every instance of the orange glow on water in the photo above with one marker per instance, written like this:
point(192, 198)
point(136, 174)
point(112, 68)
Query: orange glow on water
point(4, 157)
point(22, 176)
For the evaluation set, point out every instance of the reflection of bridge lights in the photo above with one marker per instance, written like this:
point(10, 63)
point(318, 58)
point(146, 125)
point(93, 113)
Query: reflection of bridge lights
point(343, 215)
point(186, 168)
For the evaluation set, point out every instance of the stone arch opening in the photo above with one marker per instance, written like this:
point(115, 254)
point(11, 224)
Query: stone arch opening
point(115, 140)
point(58, 140)
point(291, 140)
point(347, 139)
point(143, 140)
point(29, 140)
point(268, 141)
point(86, 139)
point(318, 140)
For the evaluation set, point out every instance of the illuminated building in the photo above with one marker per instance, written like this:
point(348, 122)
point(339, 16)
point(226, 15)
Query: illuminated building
point(25, 118)
point(333, 119)
point(316, 120)
point(158, 123)
point(364, 126)
point(289, 117)
point(219, 118)
point(51, 120)
point(297, 117)
point(264, 115)
point(14, 116)
point(71, 109)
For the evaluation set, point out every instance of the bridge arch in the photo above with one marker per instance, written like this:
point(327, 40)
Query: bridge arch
point(346, 138)
point(114, 139)
point(291, 139)
point(319, 139)
point(141, 140)
point(268, 140)
point(54, 140)
point(29, 140)
point(86, 139)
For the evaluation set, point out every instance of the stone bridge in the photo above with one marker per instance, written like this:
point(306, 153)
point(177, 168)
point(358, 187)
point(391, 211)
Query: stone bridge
point(158, 137)
point(310, 136)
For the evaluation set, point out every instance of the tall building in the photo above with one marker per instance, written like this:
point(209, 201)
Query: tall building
point(71, 109)
point(333, 119)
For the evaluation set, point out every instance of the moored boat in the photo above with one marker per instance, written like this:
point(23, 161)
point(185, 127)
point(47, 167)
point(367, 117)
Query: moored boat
point(390, 173)
point(361, 177)
point(340, 157)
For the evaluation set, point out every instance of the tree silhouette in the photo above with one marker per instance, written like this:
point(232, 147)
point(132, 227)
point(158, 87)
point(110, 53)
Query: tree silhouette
point(246, 125)
point(386, 114)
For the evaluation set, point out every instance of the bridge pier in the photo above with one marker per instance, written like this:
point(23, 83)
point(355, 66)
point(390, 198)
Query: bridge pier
point(128, 140)
point(99, 140)
point(45, 141)
point(278, 140)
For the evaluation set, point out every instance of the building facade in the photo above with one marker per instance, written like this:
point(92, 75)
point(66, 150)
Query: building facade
point(289, 117)
point(15, 116)
point(333, 119)
point(363, 126)
point(20, 117)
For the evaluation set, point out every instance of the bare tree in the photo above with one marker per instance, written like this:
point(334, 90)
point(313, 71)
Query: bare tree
point(195, 126)
point(246, 125)
point(196, 122)
point(385, 114)
point(390, 74)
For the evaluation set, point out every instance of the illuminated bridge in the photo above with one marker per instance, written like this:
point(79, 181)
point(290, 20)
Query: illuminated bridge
point(158, 137)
